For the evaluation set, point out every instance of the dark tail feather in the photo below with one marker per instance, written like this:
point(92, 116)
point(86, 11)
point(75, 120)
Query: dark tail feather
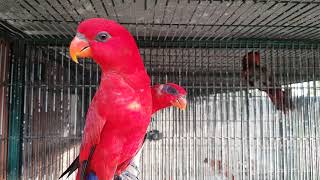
point(74, 166)
point(281, 99)
point(85, 163)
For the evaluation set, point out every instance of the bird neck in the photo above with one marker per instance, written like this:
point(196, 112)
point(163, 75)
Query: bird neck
point(138, 80)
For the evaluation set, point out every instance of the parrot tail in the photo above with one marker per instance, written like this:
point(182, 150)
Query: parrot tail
point(84, 166)
point(280, 99)
point(74, 166)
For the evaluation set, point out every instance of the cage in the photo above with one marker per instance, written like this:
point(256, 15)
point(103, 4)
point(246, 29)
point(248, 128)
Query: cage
point(231, 128)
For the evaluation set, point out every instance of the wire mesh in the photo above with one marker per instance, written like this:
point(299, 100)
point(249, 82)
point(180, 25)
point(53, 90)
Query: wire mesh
point(172, 19)
point(230, 130)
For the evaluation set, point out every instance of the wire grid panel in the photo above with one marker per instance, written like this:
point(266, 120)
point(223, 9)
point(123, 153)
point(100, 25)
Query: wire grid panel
point(230, 130)
point(54, 112)
point(172, 19)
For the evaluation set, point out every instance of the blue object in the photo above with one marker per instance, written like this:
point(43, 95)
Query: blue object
point(92, 176)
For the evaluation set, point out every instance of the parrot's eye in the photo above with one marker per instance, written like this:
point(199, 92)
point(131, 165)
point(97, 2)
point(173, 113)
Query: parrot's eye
point(170, 90)
point(103, 36)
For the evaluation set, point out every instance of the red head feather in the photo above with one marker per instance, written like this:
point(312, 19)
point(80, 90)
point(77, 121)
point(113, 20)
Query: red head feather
point(170, 94)
point(108, 43)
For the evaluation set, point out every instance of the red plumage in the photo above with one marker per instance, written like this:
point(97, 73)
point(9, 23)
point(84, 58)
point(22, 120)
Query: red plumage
point(163, 95)
point(120, 111)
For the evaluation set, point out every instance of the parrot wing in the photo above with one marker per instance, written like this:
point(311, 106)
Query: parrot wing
point(112, 137)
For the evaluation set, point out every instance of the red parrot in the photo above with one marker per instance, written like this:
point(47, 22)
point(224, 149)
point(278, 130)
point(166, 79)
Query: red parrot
point(120, 112)
point(163, 95)
point(259, 76)
point(166, 95)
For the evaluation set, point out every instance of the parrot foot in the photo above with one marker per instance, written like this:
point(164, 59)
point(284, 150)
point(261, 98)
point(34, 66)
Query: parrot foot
point(126, 175)
point(131, 173)
point(154, 135)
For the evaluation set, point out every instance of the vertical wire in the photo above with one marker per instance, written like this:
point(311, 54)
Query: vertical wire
point(243, 90)
point(263, 124)
point(32, 117)
point(3, 49)
point(254, 145)
point(290, 114)
point(316, 89)
point(291, 72)
point(169, 121)
point(228, 119)
point(163, 148)
point(309, 153)
point(208, 109)
point(63, 111)
point(213, 157)
point(144, 153)
point(194, 102)
point(157, 148)
point(48, 98)
point(36, 129)
point(296, 160)
point(304, 119)
point(3, 55)
point(286, 128)
point(181, 135)
point(221, 113)
point(12, 59)
point(177, 115)
point(201, 111)
point(260, 145)
point(235, 90)
point(25, 140)
point(8, 61)
point(273, 137)
point(300, 120)
point(43, 125)
point(248, 119)
point(279, 127)
point(188, 138)
point(72, 125)
point(56, 104)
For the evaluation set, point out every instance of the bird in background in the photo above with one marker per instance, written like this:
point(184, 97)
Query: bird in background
point(120, 111)
point(260, 77)
point(163, 96)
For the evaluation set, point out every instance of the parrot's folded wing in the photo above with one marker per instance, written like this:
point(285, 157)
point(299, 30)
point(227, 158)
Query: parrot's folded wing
point(85, 163)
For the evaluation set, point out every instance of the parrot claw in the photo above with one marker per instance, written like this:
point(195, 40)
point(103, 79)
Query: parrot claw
point(126, 176)
point(154, 135)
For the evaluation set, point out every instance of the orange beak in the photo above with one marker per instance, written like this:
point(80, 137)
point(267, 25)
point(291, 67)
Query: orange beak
point(79, 48)
point(180, 103)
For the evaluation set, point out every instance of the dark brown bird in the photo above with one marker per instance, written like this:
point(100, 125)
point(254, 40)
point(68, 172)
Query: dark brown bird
point(260, 77)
